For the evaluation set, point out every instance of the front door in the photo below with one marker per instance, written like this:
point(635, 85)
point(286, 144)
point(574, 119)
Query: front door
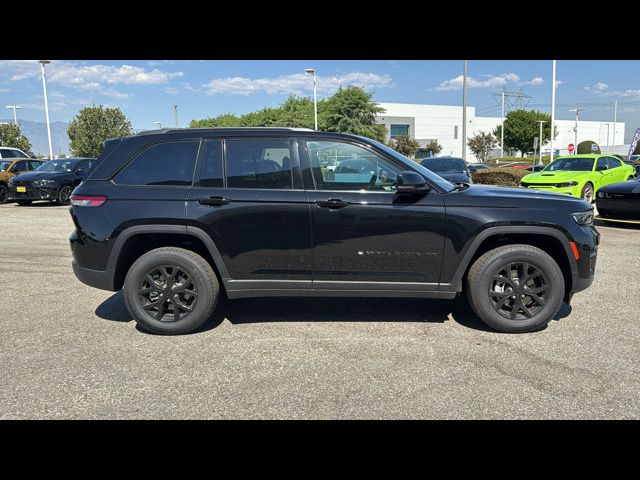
point(363, 231)
point(249, 199)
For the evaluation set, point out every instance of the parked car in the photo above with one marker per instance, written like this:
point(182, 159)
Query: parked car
point(579, 175)
point(453, 169)
point(53, 180)
point(619, 202)
point(474, 167)
point(9, 168)
point(536, 168)
point(10, 152)
point(174, 217)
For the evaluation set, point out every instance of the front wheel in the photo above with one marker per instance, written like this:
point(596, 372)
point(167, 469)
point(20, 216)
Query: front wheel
point(171, 291)
point(4, 195)
point(64, 195)
point(587, 192)
point(515, 288)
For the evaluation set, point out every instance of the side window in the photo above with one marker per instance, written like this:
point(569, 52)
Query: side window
point(211, 174)
point(264, 163)
point(84, 165)
point(34, 164)
point(602, 164)
point(17, 154)
point(4, 153)
point(20, 166)
point(170, 163)
point(343, 166)
point(613, 162)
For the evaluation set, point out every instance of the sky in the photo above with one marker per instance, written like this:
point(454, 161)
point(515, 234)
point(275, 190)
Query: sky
point(147, 90)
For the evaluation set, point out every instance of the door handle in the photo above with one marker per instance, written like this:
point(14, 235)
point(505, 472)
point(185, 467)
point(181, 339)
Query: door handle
point(332, 203)
point(214, 201)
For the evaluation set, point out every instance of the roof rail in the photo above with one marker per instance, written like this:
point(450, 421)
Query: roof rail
point(172, 130)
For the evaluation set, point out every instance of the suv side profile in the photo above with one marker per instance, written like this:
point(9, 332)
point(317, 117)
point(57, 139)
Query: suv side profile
point(178, 217)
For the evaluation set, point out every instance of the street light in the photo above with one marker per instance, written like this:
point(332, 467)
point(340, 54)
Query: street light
point(607, 124)
point(15, 117)
point(541, 122)
point(575, 129)
point(46, 105)
point(175, 114)
point(312, 71)
point(158, 123)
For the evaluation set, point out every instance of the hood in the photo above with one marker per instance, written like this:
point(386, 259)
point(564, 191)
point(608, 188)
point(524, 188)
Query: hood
point(31, 176)
point(554, 177)
point(630, 186)
point(490, 196)
point(455, 177)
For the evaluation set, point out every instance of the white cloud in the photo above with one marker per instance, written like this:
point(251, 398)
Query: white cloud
point(560, 82)
point(597, 88)
point(631, 93)
point(171, 90)
point(628, 109)
point(490, 82)
point(5, 90)
point(296, 83)
point(534, 82)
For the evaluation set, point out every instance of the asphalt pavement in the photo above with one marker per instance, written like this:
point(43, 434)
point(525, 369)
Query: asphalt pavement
point(68, 351)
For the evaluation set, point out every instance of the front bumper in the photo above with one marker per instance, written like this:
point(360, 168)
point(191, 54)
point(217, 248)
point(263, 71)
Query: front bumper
point(33, 193)
point(573, 191)
point(623, 209)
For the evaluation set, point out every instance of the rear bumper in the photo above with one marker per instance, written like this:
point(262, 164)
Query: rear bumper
point(102, 279)
point(34, 193)
point(585, 266)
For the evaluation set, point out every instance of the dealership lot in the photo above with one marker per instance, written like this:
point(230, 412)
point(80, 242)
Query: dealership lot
point(70, 351)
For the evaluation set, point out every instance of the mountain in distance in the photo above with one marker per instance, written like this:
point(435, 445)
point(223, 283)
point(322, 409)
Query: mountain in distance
point(36, 132)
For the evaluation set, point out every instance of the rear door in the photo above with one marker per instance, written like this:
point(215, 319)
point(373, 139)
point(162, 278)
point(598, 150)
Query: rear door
point(619, 173)
point(249, 199)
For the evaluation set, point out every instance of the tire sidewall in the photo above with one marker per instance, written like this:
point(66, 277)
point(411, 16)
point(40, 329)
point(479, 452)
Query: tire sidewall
point(207, 292)
point(593, 192)
point(60, 201)
point(4, 199)
point(554, 299)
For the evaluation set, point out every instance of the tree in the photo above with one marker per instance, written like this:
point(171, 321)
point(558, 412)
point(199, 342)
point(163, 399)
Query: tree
point(404, 145)
point(224, 120)
point(92, 126)
point(11, 136)
point(432, 146)
point(481, 145)
point(587, 147)
point(352, 110)
point(521, 127)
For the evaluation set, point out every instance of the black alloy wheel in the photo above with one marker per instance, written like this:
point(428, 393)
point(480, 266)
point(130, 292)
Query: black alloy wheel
point(517, 290)
point(64, 195)
point(4, 195)
point(168, 293)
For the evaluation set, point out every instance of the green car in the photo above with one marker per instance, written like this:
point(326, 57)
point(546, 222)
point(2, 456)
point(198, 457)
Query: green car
point(579, 175)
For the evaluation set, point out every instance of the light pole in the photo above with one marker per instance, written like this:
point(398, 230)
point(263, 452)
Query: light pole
point(46, 105)
point(615, 120)
point(575, 129)
point(312, 71)
point(464, 112)
point(553, 107)
point(541, 122)
point(175, 115)
point(502, 128)
point(15, 117)
point(607, 124)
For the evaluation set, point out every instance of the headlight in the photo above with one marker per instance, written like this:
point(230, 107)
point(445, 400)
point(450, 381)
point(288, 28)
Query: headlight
point(11, 181)
point(583, 218)
point(43, 183)
point(566, 184)
point(600, 194)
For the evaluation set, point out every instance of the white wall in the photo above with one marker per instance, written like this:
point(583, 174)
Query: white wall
point(439, 121)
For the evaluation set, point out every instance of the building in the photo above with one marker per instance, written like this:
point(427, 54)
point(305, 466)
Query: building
point(443, 123)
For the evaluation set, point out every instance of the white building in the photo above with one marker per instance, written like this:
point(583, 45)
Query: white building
point(443, 123)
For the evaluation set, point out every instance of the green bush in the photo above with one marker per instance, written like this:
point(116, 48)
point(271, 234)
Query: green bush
point(506, 177)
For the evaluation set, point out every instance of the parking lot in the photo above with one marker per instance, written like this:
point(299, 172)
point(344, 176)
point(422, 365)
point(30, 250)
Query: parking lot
point(70, 351)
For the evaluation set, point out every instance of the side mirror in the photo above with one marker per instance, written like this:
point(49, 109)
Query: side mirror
point(411, 183)
point(603, 168)
point(80, 170)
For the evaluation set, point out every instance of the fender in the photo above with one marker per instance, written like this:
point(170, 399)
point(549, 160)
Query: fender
point(127, 233)
point(456, 281)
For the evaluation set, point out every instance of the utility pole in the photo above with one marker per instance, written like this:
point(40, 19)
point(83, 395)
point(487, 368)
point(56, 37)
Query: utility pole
point(553, 107)
point(541, 122)
point(575, 129)
point(46, 105)
point(175, 115)
point(502, 128)
point(607, 124)
point(464, 113)
point(15, 116)
point(615, 120)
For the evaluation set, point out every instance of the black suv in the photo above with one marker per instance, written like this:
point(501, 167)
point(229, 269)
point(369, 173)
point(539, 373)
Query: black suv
point(176, 217)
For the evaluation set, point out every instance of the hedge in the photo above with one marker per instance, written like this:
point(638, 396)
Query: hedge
point(506, 177)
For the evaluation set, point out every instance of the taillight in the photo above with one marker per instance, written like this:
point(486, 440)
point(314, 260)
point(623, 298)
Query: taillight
point(83, 201)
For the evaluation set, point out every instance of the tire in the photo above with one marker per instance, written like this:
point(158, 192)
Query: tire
point(23, 203)
point(201, 279)
point(588, 189)
point(485, 292)
point(631, 177)
point(64, 195)
point(4, 195)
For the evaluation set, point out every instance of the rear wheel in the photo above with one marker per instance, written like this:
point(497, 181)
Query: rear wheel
point(515, 288)
point(4, 195)
point(24, 202)
point(171, 291)
point(587, 192)
point(64, 195)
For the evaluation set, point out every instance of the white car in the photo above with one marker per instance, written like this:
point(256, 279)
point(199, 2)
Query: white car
point(10, 152)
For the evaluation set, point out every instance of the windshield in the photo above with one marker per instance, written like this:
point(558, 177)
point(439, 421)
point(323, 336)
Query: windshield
point(4, 166)
point(570, 164)
point(425, 172)
point(56, 166)
point(444, 165)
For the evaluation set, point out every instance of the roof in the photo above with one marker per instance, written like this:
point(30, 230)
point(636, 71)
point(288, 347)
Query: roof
point(225, 129)
point(584, 155)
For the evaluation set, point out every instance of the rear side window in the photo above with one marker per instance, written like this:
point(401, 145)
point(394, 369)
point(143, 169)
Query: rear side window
point(613, 162)
point(10, 153)
point(34, 164)
point(170, 163)
point(264, 164)
point(20, 166)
